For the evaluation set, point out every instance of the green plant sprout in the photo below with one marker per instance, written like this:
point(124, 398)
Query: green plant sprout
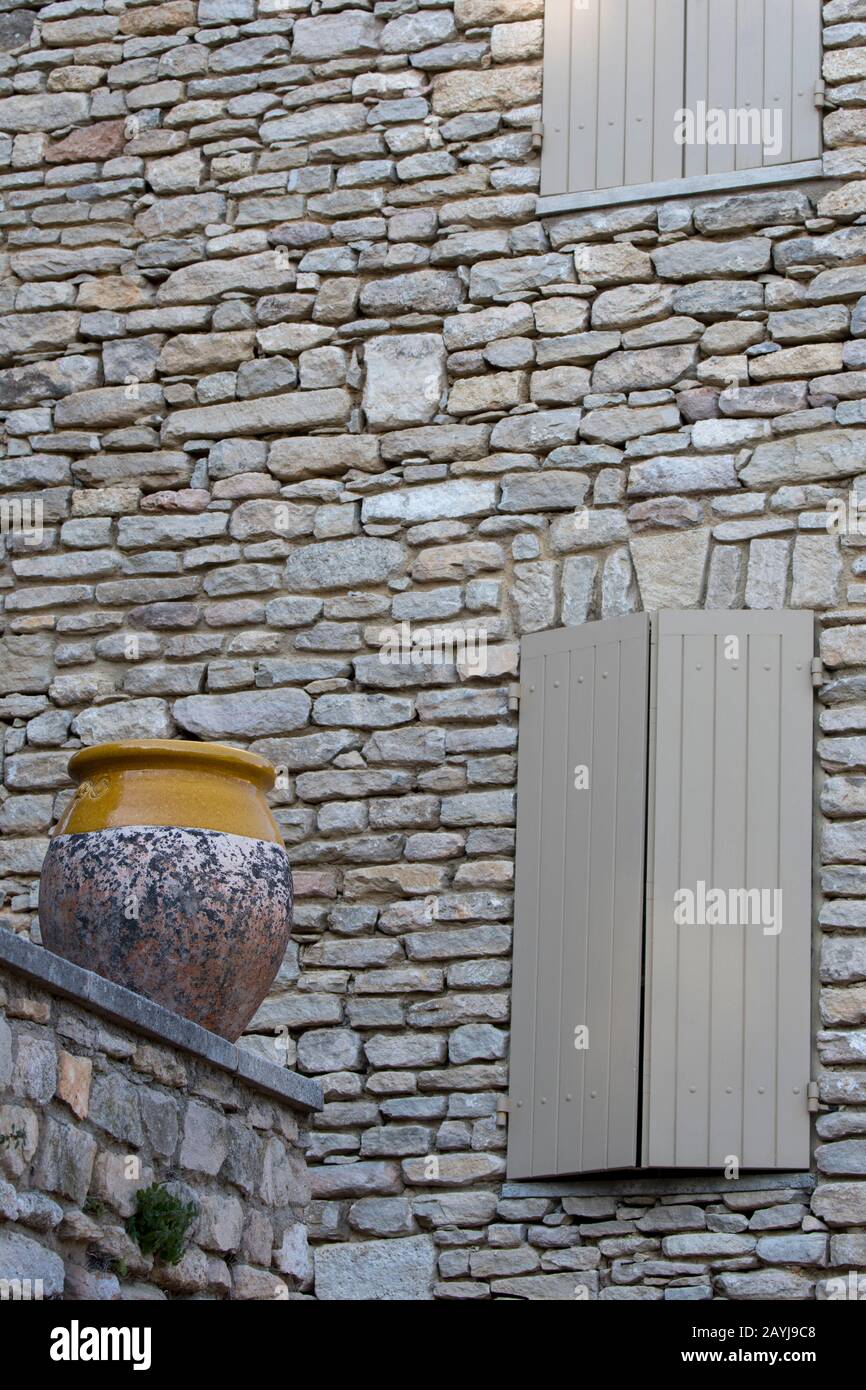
point(160, 1223)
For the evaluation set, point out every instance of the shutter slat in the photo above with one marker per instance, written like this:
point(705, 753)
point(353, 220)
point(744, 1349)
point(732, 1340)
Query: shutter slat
point(583, 120)
point(697, 76)
point(795, 870)
point(556, 87)
point(640, 91)
point(668, 87)
point(695, 861)
point(601, 924)
point(760, 1024)
point(750, 77)
point(728, 953)
point(579, 899)
point(551, 1021)
point(728, 1007)
point(574, 984)
point(610, 158)
point(661, 991)
point(778, 64)
point(807, 52)
point(722, 76)
point(626, 894)
point(526, 914)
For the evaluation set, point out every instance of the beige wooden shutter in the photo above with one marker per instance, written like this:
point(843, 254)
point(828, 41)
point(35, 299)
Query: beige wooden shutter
point(728, 1025)
point(579, 899)
point(617, 71)
point(613, 78)
point(754, 54)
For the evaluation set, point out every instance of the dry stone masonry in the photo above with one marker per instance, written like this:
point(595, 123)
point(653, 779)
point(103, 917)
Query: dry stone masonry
point(289, 359)
point(103, 1094)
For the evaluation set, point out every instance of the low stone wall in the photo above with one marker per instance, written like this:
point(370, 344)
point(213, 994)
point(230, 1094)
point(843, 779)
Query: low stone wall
point(93, 1108)
point(686, 1237)
point(678, 1238)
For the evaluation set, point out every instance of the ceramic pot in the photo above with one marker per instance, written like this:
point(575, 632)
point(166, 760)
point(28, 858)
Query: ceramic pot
point(168, 875)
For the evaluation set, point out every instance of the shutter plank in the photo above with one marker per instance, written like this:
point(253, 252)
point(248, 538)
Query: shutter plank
point(760, 1024)
point(697, 77)
point(750, 77)
point(807, 53)
point(795, 861)
point(722, 76)
point(526, 916)
point(696, 861)
point(627, 897)
point(661, 1001)
point(668, 86)
point(551, 1020)
point(579, 899)
point(574, 983)
point(729, 1006)
point(600, 920)
point(639, 94)
point(778, 67)
point(728, 951)
point(583, 102)
point(556, 89)
point(610, 157)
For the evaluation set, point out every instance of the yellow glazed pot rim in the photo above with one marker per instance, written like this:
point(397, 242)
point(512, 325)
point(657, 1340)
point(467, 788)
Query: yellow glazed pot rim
point(151, 753)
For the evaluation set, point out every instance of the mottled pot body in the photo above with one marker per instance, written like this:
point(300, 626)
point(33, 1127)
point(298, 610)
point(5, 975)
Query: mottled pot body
point(167, 874)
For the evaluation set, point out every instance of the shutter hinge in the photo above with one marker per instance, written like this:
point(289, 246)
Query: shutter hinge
point(502, 1111)
point(537, 131)
point(514, 695)
point(820, 97)
point(819, 675)
point(813, 1103)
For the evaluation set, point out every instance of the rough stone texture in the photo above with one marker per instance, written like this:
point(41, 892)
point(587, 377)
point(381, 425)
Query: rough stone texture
point(402, 1269)
point(405, 377)
point(670, 569)
point(291, 359)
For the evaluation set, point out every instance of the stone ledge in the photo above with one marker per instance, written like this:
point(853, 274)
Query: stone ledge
point(696, 186)
point(143, 1016)
point(660, 1186)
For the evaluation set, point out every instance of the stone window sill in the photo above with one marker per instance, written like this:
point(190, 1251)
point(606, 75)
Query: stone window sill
point(679, 188)
point(658, 1185)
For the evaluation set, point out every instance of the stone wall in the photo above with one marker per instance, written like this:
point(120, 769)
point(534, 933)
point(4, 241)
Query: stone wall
point(290, 359)
point(93, 1109)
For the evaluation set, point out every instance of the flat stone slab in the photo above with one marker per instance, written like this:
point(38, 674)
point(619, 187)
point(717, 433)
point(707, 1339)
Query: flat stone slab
point(378, 1270)
point(141, 1015)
